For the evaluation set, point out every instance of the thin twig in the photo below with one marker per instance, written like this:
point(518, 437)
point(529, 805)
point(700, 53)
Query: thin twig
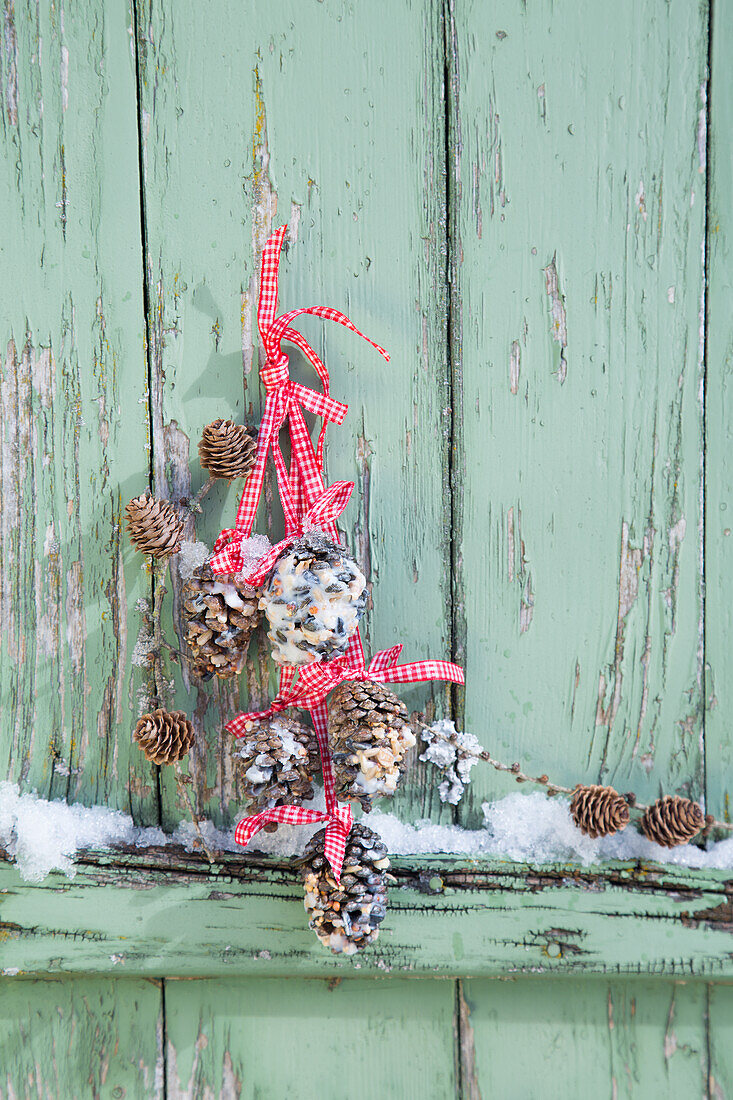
point(194, 505)
point(160, 570)
point(182, 782)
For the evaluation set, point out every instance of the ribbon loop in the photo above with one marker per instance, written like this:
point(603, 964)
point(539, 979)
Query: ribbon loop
point(302, 486)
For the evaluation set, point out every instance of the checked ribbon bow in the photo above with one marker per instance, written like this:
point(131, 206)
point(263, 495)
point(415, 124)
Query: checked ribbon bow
point(309, 692)
point(303, 485)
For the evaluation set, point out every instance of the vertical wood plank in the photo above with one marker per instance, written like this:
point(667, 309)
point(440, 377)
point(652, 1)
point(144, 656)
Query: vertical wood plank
point(578, 268)
point(73, 416)
point(719, 425)
point(720, 1041)
point(574, 1039)
point(92, 1037)
point(333, 1039)
point(254, 116)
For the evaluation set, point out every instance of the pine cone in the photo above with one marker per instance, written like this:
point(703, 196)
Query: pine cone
point(221, 616)
point(277, 758)
point(313, 601)
point(164, 737)
point(227, 449)
point(346, 917)
point(368, 734)
point(672, 820)
point(154, 525)
point(598, 811)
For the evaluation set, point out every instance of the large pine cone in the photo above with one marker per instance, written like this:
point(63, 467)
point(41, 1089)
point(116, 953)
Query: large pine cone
point(164, 736)
point(277, 758)
point(347, 917)
point(154, 525)
point(313, 601)
point(221, 617)
point(672, 820)
point(227, 450)
point(368, 735)
point(599, 811)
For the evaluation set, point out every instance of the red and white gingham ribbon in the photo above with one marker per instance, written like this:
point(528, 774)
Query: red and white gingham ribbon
point(313, 685)
point(316, 681)
point(303, 485)
point(324, 513)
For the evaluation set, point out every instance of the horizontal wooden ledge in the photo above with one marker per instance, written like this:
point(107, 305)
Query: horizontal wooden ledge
point(163, 912)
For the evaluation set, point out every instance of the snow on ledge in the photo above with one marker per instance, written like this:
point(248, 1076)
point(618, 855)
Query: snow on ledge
point(42, 836)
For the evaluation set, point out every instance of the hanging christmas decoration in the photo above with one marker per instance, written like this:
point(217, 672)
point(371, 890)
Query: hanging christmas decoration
point(346, 914)
point(221, 615)
point(277, 759)
point(368, 735)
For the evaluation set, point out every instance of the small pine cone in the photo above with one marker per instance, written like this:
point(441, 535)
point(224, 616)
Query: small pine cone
point(221, 616)
point(164, 737)
point(368, 734)
point(672, 820)
point(154, 525)
point(346, 916)
point(227, 450)
point(313, 601)
point(277, 759)
point(598, 811)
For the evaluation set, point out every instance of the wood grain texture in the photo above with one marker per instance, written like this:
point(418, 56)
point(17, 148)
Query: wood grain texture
point(255, 115)
point(570, 1040)
point(578, 280)
point(91, 1037)
point(156, 915)
point(719, 438)
point(72, 404)
point(332, 1039)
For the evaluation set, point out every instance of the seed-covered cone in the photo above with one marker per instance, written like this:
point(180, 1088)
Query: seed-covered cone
point(599, 811)
point(277, 758)
point(368, 734)
point(221, 615)
point(227, 450)
point(313, 601)
point(346, 917)
point(164, 736)
point(154, 525)
point(672, 820)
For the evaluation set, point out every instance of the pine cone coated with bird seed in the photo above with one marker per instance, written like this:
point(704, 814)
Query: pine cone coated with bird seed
point(164, 736)
point(672, 820)
point(227, 450)
point(277, 759)
point(368, 734)
point(154, 525)
point(346, 916)
point(221, 615)
point(314, 599)
point(599, 811)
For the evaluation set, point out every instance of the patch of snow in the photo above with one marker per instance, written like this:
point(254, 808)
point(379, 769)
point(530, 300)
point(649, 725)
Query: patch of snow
point(46, 836)
point(192, 555)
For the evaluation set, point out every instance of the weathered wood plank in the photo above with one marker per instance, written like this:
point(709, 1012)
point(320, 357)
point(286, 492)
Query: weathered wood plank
point(720, 1039)
point(570, 1039)
point(329, 1039)
point(73, 417)
point(719, 410)
point(578, 278)
point(261, 114)
point(92, 1037)
point(445, 918)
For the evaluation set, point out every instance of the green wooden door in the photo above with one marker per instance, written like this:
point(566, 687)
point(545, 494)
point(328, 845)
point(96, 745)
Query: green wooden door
point(528, 204)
